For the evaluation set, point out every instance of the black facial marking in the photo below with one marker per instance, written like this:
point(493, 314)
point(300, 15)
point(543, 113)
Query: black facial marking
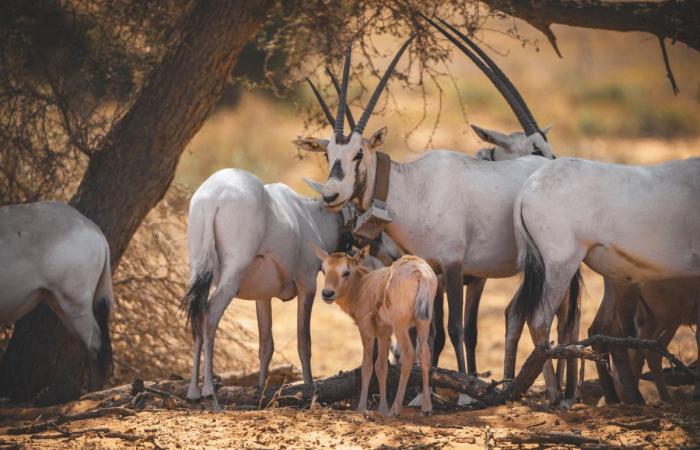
point(337, 171)
point(360, 184)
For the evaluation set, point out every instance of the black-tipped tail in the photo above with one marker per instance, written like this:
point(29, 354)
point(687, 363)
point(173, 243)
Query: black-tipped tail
point(104, 357)
point(531, 288)
point(195, 301)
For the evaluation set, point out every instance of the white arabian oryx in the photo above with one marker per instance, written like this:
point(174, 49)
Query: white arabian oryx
point(249, 241)
point(631, 224)
point(381, 302)
point(50, 252)
point(454, 211)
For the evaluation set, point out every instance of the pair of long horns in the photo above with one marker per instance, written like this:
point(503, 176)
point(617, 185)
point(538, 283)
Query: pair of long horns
point(338, 123)
point(494, 73)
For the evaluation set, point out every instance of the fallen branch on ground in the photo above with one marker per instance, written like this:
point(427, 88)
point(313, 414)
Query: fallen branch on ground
point(674, 377)
point(552, 438)
point(51, 424)
point(647, 344)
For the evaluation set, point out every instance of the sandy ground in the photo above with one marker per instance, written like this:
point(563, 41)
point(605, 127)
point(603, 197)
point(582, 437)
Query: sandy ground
point(336, 347)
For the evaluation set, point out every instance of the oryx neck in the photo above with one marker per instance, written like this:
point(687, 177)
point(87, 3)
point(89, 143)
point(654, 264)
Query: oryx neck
point(329, 224)
point(378, 180)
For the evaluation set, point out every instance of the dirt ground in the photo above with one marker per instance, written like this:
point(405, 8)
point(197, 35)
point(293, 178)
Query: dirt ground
point(336, 347)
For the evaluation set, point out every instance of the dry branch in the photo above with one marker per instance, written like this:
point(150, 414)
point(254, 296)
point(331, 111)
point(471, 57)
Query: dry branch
point(51, 424)
point(647, 344)
point(673, 377)
point(674, 19)
point(553, 438)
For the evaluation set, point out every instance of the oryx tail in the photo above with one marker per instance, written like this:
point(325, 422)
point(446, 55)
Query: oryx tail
point(203, 265)
point(102, 303)
point(425, 296)
point(534, 277)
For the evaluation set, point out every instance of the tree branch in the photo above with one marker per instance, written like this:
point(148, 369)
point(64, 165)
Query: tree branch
point(674, 19)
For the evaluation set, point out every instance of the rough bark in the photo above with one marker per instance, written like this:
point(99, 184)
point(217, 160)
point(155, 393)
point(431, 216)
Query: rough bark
point(130, 174)
point(678, 20)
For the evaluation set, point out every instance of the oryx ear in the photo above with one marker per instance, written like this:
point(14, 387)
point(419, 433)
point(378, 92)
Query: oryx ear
point(321, 253)
point(318, 187)
point(363, 253)
point(492, 137)
point(546, 129)
point(378, 138)
point(312, 144)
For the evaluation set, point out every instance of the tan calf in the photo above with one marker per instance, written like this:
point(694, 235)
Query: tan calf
point(386, 300)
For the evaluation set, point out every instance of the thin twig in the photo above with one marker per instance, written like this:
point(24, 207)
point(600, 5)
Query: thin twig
point(667, 63)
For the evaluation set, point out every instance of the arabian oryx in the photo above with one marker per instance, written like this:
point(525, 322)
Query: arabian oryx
point(452, 210)
point(249, 241)
point(381, 302)
point(631, 224)
point(50, 252)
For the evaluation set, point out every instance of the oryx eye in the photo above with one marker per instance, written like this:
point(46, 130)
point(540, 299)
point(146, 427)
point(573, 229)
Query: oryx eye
point(358, 156)
point(346, 274)
point(537, 151)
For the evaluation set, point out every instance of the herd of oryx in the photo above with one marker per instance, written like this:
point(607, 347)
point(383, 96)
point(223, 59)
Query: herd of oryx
point(430, 226)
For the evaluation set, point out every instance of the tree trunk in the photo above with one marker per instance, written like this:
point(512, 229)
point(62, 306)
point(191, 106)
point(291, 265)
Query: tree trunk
point(130, 174)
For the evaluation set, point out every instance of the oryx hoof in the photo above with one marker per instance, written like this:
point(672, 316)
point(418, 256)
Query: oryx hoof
point(194, 394)
point(213, 403)
point(426, 413)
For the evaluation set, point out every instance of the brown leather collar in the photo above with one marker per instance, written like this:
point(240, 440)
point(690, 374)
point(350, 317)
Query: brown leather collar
point(382, 176)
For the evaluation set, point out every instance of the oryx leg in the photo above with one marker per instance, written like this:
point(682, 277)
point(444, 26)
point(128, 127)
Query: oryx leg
point(367, 348)
point(454, 284)
point(193, 391)
point(408, 356)
point(423, 330)
point(266, 346)
point(625, 304)
point(218, 302)
point(438, 322)
point(471, 311)
point(381, 368)
point(74, 307)
point(305, 303)
point(514, 329)
point(602, 325)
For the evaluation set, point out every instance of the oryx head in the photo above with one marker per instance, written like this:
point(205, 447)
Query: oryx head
point(339, 270)
point(533, 140)
point(508, 146)
point(351, 158)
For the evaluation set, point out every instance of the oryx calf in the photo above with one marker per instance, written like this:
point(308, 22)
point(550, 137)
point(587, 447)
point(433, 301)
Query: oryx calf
point(664, 307)
point(50, 252)
point(632, 224)
point(249, 241)
point(381, 302)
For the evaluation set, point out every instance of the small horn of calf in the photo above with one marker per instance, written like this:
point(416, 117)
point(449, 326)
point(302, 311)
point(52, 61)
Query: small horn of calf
point(318, 187)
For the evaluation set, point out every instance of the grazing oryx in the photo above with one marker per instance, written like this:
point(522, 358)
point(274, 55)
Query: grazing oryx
point(385, 301)
point(50, 252)
point(631, 224)
point(665, 306)
point(249, 241)
point(454, 211)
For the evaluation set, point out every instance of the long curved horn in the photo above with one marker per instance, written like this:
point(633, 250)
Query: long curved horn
point(340, 116)
point(496, 70)
point(348, 113)
point(522, 117)
point(324, 107)
point(362, 123)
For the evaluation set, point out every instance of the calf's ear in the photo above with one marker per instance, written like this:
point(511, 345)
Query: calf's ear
point(321, 253)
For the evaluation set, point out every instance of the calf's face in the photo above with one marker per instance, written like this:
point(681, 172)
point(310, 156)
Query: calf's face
point(338, 270)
